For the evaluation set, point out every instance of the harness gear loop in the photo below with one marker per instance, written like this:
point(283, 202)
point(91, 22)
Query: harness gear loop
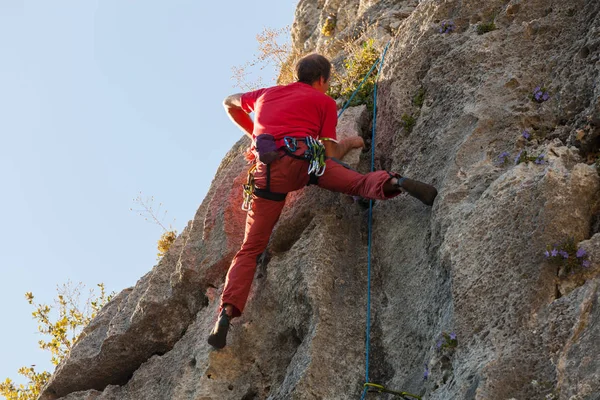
point(376, 388)
point(314, 154)
point(248, 189)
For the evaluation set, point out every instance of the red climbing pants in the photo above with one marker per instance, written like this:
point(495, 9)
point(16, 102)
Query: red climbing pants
point(287, 175)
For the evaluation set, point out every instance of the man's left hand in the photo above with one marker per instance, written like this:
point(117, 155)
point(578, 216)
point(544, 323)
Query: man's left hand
point(356, 142)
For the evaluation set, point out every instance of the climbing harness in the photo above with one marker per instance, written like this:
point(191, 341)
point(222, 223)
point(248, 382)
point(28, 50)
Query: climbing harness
point(314, 154)
point(373, 387)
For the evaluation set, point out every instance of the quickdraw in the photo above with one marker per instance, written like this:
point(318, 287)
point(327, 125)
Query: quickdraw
point(315, 153)
point(316, 156)
point(248, 189)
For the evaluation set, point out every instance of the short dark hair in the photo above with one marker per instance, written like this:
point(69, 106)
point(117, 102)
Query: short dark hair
point(312, 67)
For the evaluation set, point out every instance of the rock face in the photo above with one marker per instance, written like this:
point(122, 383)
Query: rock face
point(472, 266)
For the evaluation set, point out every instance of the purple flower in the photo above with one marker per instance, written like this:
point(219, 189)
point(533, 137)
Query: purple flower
point(546, 254)
point(586, 264)
point(447, 27)
point(539, 160)
point(554, 252)
point(580, 253)
point(502, 157)
point(564, 254)
point(526, 134)
point(518, 157)
point(426, 373)
point(540, 95)
point(438, 345)
point(453, 336)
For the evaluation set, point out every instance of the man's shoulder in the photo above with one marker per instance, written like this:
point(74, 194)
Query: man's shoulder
point(325, 99)
point(299, 90)
point(313, 93)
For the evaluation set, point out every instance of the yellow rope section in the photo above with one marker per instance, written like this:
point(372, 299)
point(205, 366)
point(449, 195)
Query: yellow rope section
point(374, 387)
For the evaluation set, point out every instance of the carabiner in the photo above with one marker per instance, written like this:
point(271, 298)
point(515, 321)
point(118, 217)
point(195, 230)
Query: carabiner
point(312, 167)
point(321, 171)
point(290, 143)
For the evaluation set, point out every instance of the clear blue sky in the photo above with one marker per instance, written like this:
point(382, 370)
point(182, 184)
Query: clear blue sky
point(100, 100)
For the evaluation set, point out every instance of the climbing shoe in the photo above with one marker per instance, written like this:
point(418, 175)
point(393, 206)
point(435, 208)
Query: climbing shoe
point(422, 191)
point(218, 336)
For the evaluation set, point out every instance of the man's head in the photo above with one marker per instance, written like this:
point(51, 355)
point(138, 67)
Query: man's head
point(314, 70)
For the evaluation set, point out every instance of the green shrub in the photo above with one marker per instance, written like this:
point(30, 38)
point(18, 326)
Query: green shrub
point(63, 323)
point(357, 65)
point(329, 26)
point(419, 98)
point(274, 51)
point(165, 242)
point(486, 27)
point(409, 122)
point(151, 215)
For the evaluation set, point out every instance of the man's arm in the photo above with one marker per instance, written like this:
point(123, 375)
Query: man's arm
point(327, 134)
point(233, 107)
point(340, 149)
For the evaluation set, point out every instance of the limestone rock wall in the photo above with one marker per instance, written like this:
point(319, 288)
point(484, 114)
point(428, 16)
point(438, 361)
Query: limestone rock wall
point(472, 265)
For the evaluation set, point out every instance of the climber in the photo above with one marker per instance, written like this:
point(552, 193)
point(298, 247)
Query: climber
point(289, 126)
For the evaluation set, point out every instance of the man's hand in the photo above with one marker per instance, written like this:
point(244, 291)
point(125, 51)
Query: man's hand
point(356, 142)
point(340, 149)
point(233, 107)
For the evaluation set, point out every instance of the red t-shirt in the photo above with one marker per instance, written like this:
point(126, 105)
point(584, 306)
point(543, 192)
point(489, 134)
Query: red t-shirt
point(297, 110)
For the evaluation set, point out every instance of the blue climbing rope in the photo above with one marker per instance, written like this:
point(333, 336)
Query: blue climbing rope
point(368, 330)
point(368, 385)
